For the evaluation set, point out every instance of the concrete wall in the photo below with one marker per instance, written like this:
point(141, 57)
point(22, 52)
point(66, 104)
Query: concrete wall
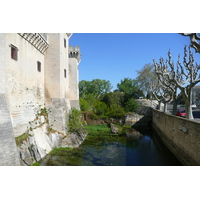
point(180, 135)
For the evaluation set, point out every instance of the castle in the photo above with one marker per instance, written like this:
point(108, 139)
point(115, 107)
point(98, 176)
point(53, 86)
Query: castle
point(38, 72)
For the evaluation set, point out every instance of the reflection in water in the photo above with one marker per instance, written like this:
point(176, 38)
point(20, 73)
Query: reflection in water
point(130, 150)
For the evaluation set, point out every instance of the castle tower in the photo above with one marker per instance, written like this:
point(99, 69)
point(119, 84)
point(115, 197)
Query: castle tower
point(74, 60)
point(57, 80)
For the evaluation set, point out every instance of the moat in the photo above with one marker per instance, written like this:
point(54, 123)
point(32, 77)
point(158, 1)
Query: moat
point(112, 150)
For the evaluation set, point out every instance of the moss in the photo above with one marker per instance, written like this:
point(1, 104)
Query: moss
point(19, 140)
point(43, 112)
point(36, 163)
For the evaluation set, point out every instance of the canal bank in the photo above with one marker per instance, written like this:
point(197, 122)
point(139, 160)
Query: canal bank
point(180, 135)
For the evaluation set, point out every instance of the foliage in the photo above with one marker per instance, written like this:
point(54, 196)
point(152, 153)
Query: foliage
point(116, 111)
point(96, 87)
point(131, 105)
point(113, 98)
point(130, 88)
point(95, 97)
point(74, 123)
point(88, 103)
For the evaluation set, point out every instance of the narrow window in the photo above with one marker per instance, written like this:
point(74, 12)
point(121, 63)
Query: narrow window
point(39, 66)
point(65, 44)
point(14, 52)
point(65, 73)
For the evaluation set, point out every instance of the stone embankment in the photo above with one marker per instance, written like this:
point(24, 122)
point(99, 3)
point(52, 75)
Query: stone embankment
point(180, 135)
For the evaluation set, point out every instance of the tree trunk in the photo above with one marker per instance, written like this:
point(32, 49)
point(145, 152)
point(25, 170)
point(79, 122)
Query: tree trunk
point(165, 107)
point(175, 104)
point(188, 107)
point(159, 105)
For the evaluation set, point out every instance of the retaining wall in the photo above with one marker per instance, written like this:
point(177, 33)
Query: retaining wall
point(180, 135)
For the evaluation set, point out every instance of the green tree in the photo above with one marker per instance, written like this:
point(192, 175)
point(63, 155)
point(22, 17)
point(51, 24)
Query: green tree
point(131, 105)
point(96, 87)
point(130, 88)
point(113, 98)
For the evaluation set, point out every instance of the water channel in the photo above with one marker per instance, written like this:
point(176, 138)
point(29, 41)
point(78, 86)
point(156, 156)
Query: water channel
point(111, 150)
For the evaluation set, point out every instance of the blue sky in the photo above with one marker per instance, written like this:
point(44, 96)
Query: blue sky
point(115, 56)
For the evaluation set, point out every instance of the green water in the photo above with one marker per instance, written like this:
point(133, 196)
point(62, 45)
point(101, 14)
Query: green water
point(106, 149)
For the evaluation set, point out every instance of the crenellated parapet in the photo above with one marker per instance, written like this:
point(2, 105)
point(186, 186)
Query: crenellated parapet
point(38, 40)
point(74, 52)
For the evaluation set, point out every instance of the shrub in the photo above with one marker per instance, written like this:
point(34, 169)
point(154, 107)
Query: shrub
point(116, 111)
point(75, 124)
point(131, 105)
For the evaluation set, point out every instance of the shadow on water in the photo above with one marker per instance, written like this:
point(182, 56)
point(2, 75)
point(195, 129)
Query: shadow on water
point(138, 148)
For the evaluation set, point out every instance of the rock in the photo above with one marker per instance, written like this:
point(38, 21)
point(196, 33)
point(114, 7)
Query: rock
point(133, 134)
point(131, 118)
point(114, 129)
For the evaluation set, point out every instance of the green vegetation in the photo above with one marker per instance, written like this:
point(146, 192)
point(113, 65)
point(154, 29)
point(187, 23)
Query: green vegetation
point(75, 122)
point(19, 140)
point(97, 99)
point(97, 129)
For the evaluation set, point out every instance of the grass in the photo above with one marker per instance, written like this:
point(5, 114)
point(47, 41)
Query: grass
point(97, 129)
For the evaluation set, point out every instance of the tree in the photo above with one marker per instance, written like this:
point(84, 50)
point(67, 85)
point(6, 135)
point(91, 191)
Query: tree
point(131, 92)
point(194, 38)
point(96, 87)
point(163, 97)
point(114, 102)
point(130, 88)
point(183, 77)
point(145, 77)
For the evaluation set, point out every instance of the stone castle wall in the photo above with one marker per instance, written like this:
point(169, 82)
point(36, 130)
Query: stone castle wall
point(27, 89)
point(8, 148)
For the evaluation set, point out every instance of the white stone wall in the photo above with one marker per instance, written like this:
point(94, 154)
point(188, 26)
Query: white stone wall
point(8, 149)
point(56, 84)
point(73, 82)
point(24, 91)
point(24, 84)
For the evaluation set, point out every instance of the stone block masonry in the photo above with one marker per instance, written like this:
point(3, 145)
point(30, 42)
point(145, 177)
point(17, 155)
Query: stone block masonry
point(8, 148)
point(180, 135)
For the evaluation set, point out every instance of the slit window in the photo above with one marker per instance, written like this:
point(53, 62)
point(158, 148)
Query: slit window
point(65, 73)
point(39, 66)
point(14, 52)
point(65, 43)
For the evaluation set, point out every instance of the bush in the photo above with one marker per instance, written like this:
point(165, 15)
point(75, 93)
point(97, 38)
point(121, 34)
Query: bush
point(75, 124)
point(101, 108)
point(131, 105)
point(116, 111)
point(84, 104)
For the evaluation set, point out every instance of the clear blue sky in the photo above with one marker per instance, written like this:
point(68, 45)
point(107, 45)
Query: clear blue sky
point(115, 56)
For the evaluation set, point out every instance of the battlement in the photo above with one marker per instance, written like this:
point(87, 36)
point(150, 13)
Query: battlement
point(74, 52)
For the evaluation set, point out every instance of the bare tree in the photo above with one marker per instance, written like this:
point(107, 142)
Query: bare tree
point(161, 70)
point(194, 38)
point(183, 78)
point(163, 96)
